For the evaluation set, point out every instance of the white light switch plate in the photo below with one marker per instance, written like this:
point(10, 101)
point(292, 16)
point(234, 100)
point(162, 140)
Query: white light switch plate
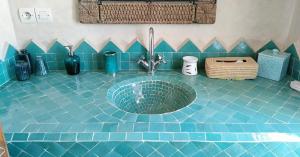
point(43, 15)
point(27, 15)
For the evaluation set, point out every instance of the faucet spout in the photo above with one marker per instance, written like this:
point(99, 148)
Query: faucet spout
point(151, 50)
point(151, 63)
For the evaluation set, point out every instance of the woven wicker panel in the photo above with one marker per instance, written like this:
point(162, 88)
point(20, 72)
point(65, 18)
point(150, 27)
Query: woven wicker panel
point(89, 11)
point(228, 68)
point(206, 12)
point(172, 12)
point(142, 12)
point(124, 12)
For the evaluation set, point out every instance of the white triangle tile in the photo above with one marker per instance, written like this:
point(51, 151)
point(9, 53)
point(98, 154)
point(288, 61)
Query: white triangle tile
point(132, 42)
point(102, 44)
point(91, 44)
point(75, 46)
point(256, 44)
point(3, 50)
point(236, 43)
point(213, 40)
point(184, 42)
point(64, 42)
point(279, 45)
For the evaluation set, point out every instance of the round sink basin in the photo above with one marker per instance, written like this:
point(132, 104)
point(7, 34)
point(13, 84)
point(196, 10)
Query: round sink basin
point(151, 95)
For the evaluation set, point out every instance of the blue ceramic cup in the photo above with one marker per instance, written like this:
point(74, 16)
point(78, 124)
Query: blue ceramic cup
point(111, 64)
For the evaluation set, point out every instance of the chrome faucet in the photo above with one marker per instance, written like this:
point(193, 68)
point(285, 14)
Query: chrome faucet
point(151, 63)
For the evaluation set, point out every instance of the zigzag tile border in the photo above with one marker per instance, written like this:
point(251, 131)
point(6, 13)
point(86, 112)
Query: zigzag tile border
point(92, 60)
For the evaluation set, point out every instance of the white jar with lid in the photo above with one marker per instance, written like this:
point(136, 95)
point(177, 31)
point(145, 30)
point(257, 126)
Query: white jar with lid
point(190, 65)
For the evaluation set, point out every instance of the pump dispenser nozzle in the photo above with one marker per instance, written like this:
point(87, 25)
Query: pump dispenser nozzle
point(69, 48)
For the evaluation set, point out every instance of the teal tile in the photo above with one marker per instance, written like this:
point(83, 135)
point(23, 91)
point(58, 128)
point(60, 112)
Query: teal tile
point(10, 52)
point(77, 150)
point(245, 137)
point(270, 45)
point(235, 150)
point(188, 127)
point(155, 127)
point(189, 149)
point(108, 127)
point(243, 48)
point(13, 150)
point(293, 51)
point(36, 137)
point(144, 149)
point(189, 46)
point(197, 136)
point(84, 136)
point(167, 150)
point(223, 145)
point(215, 47)
point(60, 54)
point(172, 127)
point(101, 136)
point(150, 136)
point(213, 137)
point(33, 48)
point(116, 136)
point(110, 46)
point(34, 149)
point(142, 118)
point(163, 46)
point(179, 154)
point(258, 150)
point(68, 137)
point(229, 137)
point(166, 137)
point(181, 137)
point(125, 127)
point(125, 66)
point(134, 136)
point(52, 136)
point(137, 47)
point(20, 136)
point(123, 149)
point(85, 48)
point(8, 136)
point(124, 57)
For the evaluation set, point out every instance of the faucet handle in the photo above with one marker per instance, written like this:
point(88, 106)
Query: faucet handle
point(161, 59)
point(142, 58)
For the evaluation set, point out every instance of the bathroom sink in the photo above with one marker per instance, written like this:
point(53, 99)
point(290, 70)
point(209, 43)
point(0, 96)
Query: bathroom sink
point(151, 95)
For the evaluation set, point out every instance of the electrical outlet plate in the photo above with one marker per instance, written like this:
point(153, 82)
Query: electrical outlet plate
point(43, 15)
point(27, 15)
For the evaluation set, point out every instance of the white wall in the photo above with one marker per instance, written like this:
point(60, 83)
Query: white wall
point(294, 33)
point(7, 34)
point(257, 21)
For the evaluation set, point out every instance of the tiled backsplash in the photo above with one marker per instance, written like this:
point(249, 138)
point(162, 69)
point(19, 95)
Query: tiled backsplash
point(92, 60)
point(7, 67)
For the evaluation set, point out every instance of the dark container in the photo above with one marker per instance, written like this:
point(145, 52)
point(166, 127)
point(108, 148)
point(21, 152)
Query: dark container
point(26, 57)
point(41, 68)
point(111, 62)
point(72, 64)
point(22, 70)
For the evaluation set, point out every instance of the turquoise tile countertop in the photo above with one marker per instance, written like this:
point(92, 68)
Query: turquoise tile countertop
point(62, 108)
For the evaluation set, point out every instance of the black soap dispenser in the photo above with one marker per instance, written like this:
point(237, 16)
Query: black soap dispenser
point(72, 62)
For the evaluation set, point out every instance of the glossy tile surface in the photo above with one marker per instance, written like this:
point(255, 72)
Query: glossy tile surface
point(153, 149)
point(151, 95)
point(60, 108)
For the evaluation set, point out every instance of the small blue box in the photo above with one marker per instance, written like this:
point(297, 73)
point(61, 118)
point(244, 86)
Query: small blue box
point(272, 64)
